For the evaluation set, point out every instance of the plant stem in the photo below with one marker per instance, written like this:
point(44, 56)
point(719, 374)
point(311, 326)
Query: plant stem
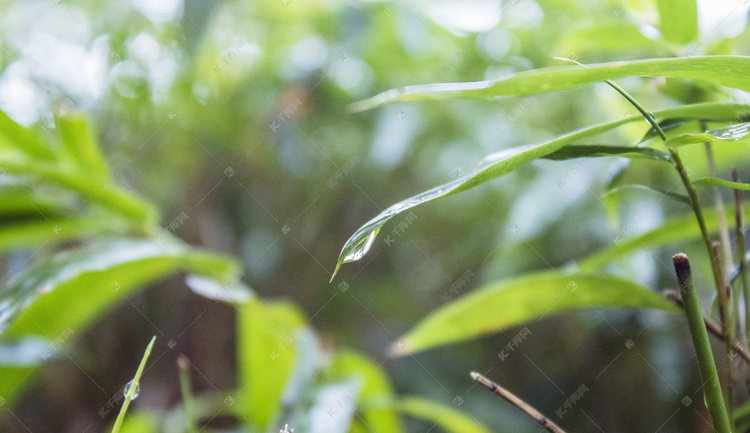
point(711, 385)
point(186, 388)
point(740, 233)
point(517, 402)
point(134, 385)
point(719, 202)
point(724, 298)
point(713, 327)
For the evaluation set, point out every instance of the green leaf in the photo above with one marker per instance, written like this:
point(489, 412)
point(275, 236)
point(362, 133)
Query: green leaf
point(713, 181)
point(671, 231)
point(75, 287)
point(447, 418)
point(374, 387)
point(504, 304)
point(15, 139)
point(132, 388)
point(506, 161)
point(610, 37)
point(594, 150)
point(682, 198)
point(267, 334)
point(730, 133)
point(81, 146)
point(729, 71)
point(679, 20)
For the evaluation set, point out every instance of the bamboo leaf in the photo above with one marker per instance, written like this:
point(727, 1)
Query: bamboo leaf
point(504, 304)
point(447, 418)
point(592, 150)
point(729, 71)
point(713, 181)
point(506, 161)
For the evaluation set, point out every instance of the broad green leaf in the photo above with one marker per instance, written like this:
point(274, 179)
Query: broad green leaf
point(671, 231)
point(447, 418)
point(267, 334)
point(729, 71)
point(81, 146)
point(713, 181)
point(593, 150)
point(375, 387)
point(58, 297)
point(679, 20)
point(508, 303)
point(673, 195)
point(74, 287)
point(506, 161)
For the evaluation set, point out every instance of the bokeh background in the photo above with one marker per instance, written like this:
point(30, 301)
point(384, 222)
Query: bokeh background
point(230, 116)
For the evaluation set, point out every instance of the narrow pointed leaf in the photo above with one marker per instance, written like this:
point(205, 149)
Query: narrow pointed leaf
point(730, 133)
point(589, 150)
point(504, 304)
point(729, 71)
point(506, 161)
point(682, 198)
point(713, 181)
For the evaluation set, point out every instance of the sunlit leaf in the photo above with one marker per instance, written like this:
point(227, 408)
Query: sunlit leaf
point(267, 354)
point(447, 418)
point(508, 303)
point(504, 162)
point(81, 146)
point(374, 387)
point(729, 71)
point(730, 133)
point(679, 20)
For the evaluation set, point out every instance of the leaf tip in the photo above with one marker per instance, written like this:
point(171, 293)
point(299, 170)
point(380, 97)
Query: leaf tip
point(400, 348)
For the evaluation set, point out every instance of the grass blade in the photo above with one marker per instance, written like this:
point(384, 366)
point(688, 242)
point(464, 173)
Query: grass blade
point(132, 391)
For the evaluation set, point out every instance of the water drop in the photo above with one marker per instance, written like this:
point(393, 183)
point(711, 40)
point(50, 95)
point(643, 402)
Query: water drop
point(135, 392)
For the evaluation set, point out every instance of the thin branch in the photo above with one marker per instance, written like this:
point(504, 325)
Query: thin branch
point(517, 402)
point(712, 327)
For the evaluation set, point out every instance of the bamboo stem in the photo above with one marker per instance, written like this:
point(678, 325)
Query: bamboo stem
point(712, 387)
point(713, 327)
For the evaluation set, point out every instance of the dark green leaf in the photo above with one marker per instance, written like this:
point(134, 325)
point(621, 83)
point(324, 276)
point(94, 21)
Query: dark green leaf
point(589, 150)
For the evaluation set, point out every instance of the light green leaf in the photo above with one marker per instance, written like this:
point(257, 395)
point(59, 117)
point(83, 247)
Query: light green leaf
point(713, 181)
point(730, 133)
point(447, 418)
point(506, 161)
point(673, 195)
point(375, 387)
point(81, 146)
point(729, 71)
point(504, 304)
point(267, 334)
point(679, 20)
point(70, 290)
point(610, 37)
point(671, 231)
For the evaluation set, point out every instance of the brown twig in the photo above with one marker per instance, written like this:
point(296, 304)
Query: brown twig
point(712, 327)
point(517, 402)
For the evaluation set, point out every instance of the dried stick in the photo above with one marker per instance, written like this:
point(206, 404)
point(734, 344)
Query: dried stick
point(517, 402)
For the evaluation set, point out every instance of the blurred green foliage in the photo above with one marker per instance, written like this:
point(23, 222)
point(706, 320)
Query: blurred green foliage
point(220, 129)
